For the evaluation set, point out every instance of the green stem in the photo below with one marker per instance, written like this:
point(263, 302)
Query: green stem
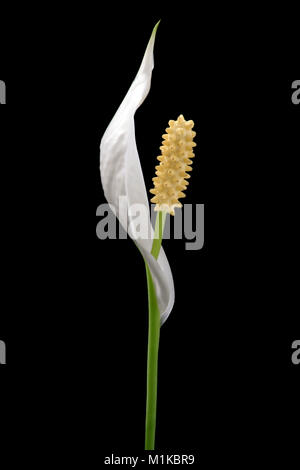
point(158, 233)
point(153, 340)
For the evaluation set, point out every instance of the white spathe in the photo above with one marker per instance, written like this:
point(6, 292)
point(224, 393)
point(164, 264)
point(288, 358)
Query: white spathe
point(121, 176)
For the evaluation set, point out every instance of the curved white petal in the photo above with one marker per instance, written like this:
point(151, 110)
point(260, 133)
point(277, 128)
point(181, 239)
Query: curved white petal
point(121, 175)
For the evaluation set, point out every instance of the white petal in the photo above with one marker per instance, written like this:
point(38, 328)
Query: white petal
point(121, 175)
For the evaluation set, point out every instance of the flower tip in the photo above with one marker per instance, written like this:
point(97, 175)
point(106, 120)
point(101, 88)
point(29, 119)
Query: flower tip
point(155, 28)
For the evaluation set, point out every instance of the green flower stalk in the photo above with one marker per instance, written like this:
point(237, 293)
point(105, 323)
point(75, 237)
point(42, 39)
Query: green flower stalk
point(170, 181)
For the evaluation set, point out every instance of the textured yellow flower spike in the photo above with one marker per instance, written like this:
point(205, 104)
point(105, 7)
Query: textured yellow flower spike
point(175, 161)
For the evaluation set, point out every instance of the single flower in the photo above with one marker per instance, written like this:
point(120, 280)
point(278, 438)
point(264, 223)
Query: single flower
point(122, 176)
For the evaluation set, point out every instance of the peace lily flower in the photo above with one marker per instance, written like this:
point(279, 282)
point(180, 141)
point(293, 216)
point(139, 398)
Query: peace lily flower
point(122, 177)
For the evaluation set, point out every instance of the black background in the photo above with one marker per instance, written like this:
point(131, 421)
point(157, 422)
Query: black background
point(75, 308)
